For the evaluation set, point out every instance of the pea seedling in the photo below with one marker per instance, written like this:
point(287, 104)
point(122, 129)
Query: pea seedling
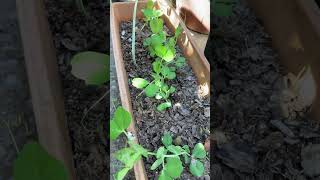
point(168, 156)
point(163, 50)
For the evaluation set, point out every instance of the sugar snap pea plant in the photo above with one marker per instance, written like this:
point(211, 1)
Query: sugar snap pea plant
point(162, 49)
point(168, 156)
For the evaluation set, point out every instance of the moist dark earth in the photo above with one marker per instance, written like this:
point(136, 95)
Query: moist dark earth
point(252, 139)
point(15, 104)
point(188, 119)
point(318, 2)
point(74, 32)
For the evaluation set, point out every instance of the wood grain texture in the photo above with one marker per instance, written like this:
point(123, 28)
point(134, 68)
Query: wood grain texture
point(44, 82)
point(118, 10)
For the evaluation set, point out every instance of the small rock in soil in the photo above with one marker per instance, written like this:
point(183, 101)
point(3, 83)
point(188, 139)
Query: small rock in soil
point(237, 155)
point(178, 141)
point(282, 127)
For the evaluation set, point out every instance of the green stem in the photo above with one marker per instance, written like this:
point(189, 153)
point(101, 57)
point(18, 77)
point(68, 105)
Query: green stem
point(175, 155)
point(143, 90)
point(133, 46)
point(143, 26)
point(151, 153)
point(125, 132)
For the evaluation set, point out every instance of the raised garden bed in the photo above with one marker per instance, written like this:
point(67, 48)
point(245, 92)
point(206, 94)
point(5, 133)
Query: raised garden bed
point(188, 120)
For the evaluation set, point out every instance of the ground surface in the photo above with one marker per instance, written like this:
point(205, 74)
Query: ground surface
point(74, 32)
point(253, 139)
point(15, 103)
point(188, 120)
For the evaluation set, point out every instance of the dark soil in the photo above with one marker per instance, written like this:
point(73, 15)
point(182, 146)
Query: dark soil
point(318, 2)
point(15, 104)
point(72, 33)
point(188, 120)
point(252, 139)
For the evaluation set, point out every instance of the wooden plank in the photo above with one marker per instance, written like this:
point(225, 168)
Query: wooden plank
point(125, 9)
point(44, 82)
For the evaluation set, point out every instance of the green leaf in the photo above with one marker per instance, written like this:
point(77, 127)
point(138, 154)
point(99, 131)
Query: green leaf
point(126, 155)
point(178, 31)
point(149, 4)
point(158, 83)
point(171, 75)
point(175, 149)
point(156, 164)
point(122, 173)
point(169, 56)
point(139, 83)
point(162, 36)
point(115, 131)
point(156, 65)
point(167, 73)
point(164, 52)
point(156, 39)
point(181, 61)
point(166, 139)
point(163, 106)
point(156, 25)
point(196, 168)
point(223, 8)
point(92, 67)
point(33, 162)
point(164, 176)
point(186, 148)
point(161, 152)
point(150, 14)
point(199, 151)
point(139, 149)
point(151, 90)
point(186, 158)
point(160, 50)
point(122, 118)
point(152, 51)
point(172, 89)
point(147, 42)
point(173, 167)
point(157, 13)
point(172, 42)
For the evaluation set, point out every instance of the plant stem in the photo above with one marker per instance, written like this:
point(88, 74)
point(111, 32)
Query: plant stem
point(133, 44)
point(175, 155)
point(143, 26)
point(12, 136)
point(151, 153)
point(93, 105)
point(143, 90)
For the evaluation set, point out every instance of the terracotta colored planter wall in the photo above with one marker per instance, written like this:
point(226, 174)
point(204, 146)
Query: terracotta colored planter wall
point(196, 14)
point(295, 29)
point(123, 12)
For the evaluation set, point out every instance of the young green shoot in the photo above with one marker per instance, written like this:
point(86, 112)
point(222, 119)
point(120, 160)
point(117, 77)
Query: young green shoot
point(166, 61)
point(168, 156)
